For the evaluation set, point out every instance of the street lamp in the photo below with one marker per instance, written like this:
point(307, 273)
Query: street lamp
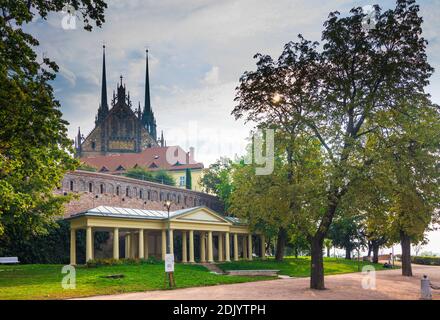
point(169, 270)
point(167, 205)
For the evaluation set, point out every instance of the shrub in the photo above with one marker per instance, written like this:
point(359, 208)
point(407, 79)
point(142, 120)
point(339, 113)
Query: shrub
point(125, 261)
point(431, 261)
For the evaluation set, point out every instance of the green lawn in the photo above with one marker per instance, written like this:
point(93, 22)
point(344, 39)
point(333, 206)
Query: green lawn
point(44, 281)
point(299, 267)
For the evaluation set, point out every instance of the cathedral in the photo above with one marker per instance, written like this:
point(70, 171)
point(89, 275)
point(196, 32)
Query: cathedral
point(119, 128)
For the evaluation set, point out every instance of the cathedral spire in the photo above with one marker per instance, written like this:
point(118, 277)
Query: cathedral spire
point(147, 105)
point(104, 104)
point(147, 114)
point(78, 140)
point(103, 107)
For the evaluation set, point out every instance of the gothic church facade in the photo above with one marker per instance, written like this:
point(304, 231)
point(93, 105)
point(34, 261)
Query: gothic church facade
point(118, 127)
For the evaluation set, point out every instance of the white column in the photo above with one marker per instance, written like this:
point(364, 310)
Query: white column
point(227, 247)
point(116, 243)
point(202, 247)
point(164, 244)
point(191, 246)
point(145, 244)
point(127, 245)
point(210, 251)
point(141, 243)
point(235, 247)
point(263, 246)
point(220, 247)
point(184, 248)
point(250, 246)
point(89, 245)
point(73, 247)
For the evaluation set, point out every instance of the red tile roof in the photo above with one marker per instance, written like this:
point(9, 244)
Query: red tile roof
point(153, 159)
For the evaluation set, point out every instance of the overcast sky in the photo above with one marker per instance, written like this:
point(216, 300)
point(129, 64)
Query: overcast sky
point(198, 51)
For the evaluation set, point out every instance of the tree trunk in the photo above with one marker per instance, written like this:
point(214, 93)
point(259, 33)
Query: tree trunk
point(328, 252)
point(405, 242)
point(347, 254)
point(375, 248)
point(281, 244)
point(317, 264)
point(370, 249)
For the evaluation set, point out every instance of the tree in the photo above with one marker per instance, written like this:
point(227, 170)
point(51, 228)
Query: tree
point(346, 232)
point(140, 174)
point(35, 152)
point(328, 243)
point(217, 180)
point(188, 179)
point(160, 176)
point(283, 202)
point(164, 177)
point(410, 165)
point(339, 94)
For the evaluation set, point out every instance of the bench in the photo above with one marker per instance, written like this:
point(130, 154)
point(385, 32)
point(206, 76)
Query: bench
point(5, 260)
point(267, 273)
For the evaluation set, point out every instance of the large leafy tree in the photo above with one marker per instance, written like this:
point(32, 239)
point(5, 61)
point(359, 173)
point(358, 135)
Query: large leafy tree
point(409, 175)
point(217, 179)
point(285, 202)
point(339, 94)
point(34, 149)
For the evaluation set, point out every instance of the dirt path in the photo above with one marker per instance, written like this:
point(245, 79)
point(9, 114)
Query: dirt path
point(389, 285)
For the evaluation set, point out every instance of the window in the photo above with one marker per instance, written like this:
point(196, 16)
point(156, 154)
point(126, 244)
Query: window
point(149, 195)
point(140, 194)
point(182, 181)
point(127, 191)
point(195, 202)
point(93, 145)
point(101, 188)
point(117, 190)
point(90, 187)
point(71, 185)
point(178, 198)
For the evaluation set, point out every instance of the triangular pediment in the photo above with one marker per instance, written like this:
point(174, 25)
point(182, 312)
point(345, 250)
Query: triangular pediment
point(201, 214)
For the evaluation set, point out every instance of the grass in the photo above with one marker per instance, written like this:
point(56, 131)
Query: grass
point(299, 267)
point(44, 281)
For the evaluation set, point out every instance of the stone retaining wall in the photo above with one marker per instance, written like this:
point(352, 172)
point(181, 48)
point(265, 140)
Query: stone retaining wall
point(96, 189)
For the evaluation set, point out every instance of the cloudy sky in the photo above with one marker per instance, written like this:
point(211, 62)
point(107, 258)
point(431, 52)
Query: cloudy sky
point(198, 50)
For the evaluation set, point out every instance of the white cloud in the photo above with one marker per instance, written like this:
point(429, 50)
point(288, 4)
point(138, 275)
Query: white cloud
point(212, 77)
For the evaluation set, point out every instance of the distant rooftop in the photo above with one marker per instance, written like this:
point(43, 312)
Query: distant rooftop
point(153, 159)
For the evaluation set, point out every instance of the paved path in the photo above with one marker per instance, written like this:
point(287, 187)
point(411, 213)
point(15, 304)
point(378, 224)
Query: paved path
point(389, 285)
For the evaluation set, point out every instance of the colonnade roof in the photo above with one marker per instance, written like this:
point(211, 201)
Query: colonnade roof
point(146, 214)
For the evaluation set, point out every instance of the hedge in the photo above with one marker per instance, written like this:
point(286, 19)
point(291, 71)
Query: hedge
point(431, 261)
